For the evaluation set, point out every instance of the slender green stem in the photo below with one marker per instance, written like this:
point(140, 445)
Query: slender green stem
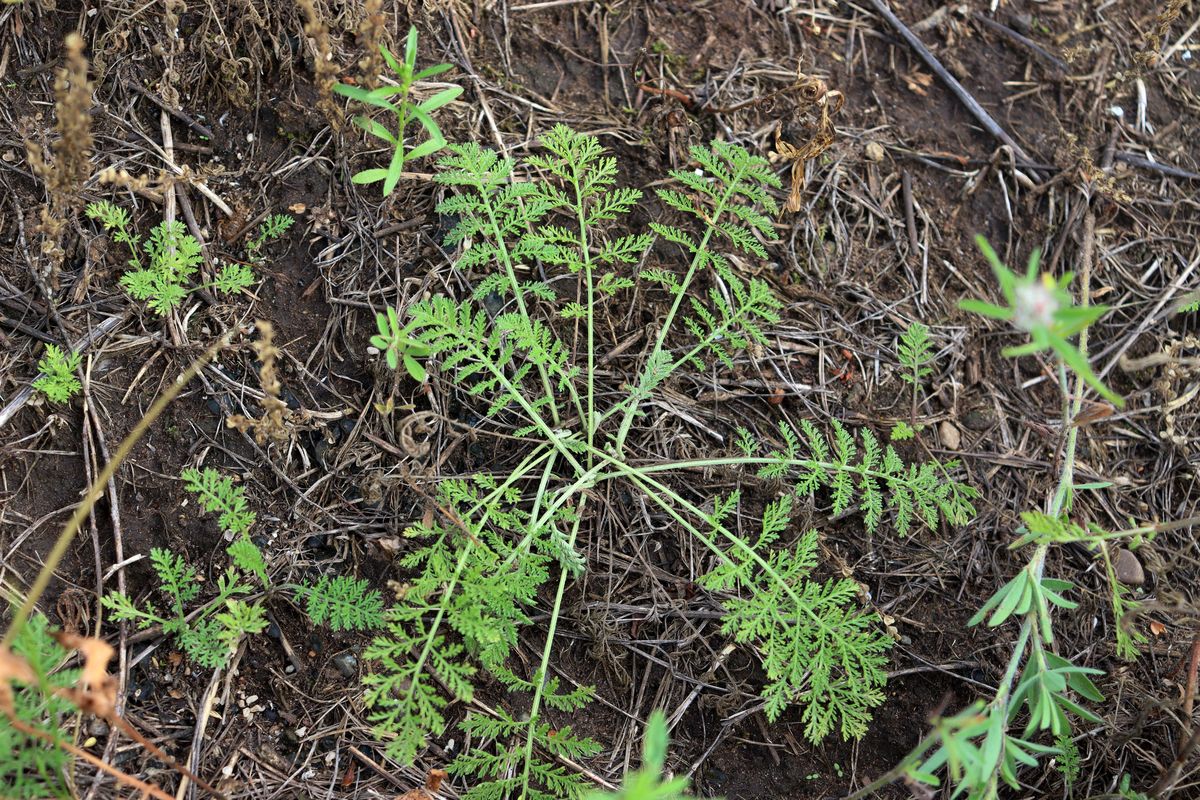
point(700, 347)
point(431, 637)
point(511, 273)
point(660, 493)
point(1059, 502)
point(544, 666)
point(585, 256)
point(700, 257)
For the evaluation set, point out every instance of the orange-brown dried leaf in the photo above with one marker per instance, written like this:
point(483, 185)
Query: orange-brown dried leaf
point(96, 691)
point(12, 668)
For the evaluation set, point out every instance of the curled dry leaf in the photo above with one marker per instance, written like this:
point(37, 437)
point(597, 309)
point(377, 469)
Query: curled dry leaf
point(814, 93)
point(12, 668)
point(433, 782)
point(96, 691)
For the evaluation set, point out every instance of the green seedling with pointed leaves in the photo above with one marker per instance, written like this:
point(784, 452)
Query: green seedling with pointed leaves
point(57, 380)
point(979, 748)
point(396, 99)
point(210, 634)
point(393, 340)
point(1042, 307)
point(650, 782)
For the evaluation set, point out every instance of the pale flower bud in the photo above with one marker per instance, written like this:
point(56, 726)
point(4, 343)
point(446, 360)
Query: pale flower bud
point(1035, 305)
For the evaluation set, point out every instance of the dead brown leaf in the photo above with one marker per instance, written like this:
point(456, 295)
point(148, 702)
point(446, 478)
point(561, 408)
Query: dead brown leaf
point(918, 81)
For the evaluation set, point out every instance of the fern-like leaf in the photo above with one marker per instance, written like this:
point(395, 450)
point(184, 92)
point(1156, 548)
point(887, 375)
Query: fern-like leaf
point(218, 493)
point(877, 480)
point(345, 603)
point(819, 649)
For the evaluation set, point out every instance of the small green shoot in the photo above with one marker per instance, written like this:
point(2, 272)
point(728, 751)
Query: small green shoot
point(394, 342)
point(57, 381)
point(1067, 761)
point(915, 351)
point(649, 782)
point(395, 98)
point(270, 229)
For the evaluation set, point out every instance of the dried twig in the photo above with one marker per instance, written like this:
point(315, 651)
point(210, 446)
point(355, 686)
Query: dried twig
point(985, 119)
point(1022, 40)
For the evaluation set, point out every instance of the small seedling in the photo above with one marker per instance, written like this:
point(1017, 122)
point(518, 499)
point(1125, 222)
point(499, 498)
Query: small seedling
point(916, 354)
point(1068, 759)
point(57, 381)
point(396, 99)
point(396, 345)
point(270, 229)
point(650, 782)
point(173, 257)
point(210, 634)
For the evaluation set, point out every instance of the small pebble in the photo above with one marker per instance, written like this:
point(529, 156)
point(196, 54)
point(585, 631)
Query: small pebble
point(951, 438)
point(1128, 568)
point(346, 664)
point(874, 151)
point(979, 420)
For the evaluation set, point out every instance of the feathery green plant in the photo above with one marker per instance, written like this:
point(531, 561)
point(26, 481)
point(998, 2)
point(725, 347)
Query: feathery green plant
point(876, 479)
point(270, 229)
point(346, 603)
point(172, 258)
point(529, 354)
point(395, 98)
point(30, 767)
point(210, 634)
point(57, 380)
point(915, 351)
point(1068, 760)
point(217, 492)
point(818, 647)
